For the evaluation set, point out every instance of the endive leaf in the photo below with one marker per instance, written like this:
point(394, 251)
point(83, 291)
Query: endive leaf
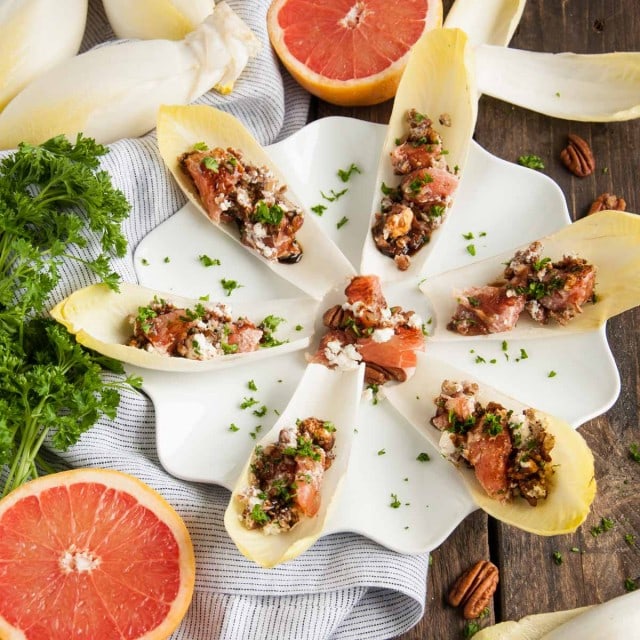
point(616, 618)
point(114, 92)
point(586, 87)
point(36, 35)
point(438, 80)
point(153, 19)
point(329, 396)
point(98, 317)
point(610, 240)
point(179, 128)
point(572, 486)
point(488, 22)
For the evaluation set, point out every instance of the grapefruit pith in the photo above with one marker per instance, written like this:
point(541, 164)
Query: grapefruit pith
point(349, 52)
point(94, 554)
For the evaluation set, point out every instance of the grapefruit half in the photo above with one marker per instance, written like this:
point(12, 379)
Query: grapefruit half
point(349, 52)
point(94, 554)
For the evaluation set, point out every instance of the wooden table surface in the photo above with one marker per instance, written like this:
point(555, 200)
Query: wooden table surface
point(530, 580)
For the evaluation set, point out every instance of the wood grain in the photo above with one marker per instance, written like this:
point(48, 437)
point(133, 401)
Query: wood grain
point(593, 568)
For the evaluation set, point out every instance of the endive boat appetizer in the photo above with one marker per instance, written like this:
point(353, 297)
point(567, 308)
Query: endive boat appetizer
point(167, 332)
point(114, 91)
point(155, 19)
point(36, 35)
point(490, 22)
point(285, 492)
point(573, 280)
point(520, 465)
point(616, 618)
point(365, 329)
point(232, 181)
point(423, 155)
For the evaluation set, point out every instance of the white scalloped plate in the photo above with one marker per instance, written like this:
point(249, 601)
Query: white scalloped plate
point(511, 204)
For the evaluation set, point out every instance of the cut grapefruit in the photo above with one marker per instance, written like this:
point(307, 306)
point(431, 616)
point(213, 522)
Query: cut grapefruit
point(93, 554)
point(349, 52)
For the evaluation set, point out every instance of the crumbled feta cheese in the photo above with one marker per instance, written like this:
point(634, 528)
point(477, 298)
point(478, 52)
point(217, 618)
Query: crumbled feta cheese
point(288, 437)
point(342, 357)
point(383, 335)
point(447, 447)
point(415, 321)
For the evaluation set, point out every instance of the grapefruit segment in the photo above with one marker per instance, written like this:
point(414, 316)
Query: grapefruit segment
point(349, 52)
point(92, 550)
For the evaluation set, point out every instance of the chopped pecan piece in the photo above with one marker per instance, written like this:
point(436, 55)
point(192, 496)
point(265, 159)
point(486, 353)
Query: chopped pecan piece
point(474, 589)
point(375, 374)
point(578, 157)
point(333, 317)
point(607, 201)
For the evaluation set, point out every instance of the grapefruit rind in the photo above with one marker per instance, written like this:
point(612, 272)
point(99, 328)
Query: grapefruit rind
point(146, 497)
point(573, 484)
point(359, 92)
point(180, 127)
point(610, 240)
point(491, 22)
point(327, 395)
point(439, 79)
point(98, 317)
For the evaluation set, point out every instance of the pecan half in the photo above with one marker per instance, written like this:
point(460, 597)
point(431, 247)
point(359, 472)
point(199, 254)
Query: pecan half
point(375, 374)
point(333, 317)
point(474, 589)
point(607, 201)
point(578, 157)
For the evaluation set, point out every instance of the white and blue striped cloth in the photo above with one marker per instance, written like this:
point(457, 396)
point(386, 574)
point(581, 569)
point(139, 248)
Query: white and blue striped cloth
point(345, 586)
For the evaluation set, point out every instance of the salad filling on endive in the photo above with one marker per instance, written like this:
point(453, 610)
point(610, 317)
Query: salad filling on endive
point(546, 290)
point(411, 211)
point(285, 477)
point(510, 453)
point(365, 329)
point(203, 332)
point(233, 190)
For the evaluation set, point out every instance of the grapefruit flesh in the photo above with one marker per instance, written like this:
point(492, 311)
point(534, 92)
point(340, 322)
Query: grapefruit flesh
point(349, 52)
point(92, 554)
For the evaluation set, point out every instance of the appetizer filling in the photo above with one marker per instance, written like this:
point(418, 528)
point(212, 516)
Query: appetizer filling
point(234, 191)
point(546, 290)
point(410, 212)
point(285, 477)
point(509, 453)
point(201, 333)
point(365, 329)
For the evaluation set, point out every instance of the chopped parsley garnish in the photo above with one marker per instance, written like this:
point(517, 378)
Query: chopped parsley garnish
point(248, 402)
point(262, 411)
point(167, 259)
point(552, 374)
point(539, 265)
point(395, 503)
point(468, 236)
point(333, 195)
point(606, 524)
point(145, 314)
point(492, 424)
point(252, 385)
point(342, 222)
point(205, 298)
point(144, 262)
point(233, 427)
point(319, 209)
point(634, 452)
point(480, 360)
point(299, 327)
point(630, 539)
point(387, 191)
point(531, 161)
point(305, 449)
point(523, 354)
point(329, 426)
point(268, 326)
point(228, 348)
point(473, 301)
point(200, 146)
point(423, 457)
point(471, 627)
point(266, 214)
point(210, 163)
point(557, 557)
point(505, 345)
point(258, 514)
point(437, 210)
point(382, 452)
point(345, 174)
point(230, 285)
point(630, 584)
point(417, 184)
point(374, 388)
point(471, 249)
